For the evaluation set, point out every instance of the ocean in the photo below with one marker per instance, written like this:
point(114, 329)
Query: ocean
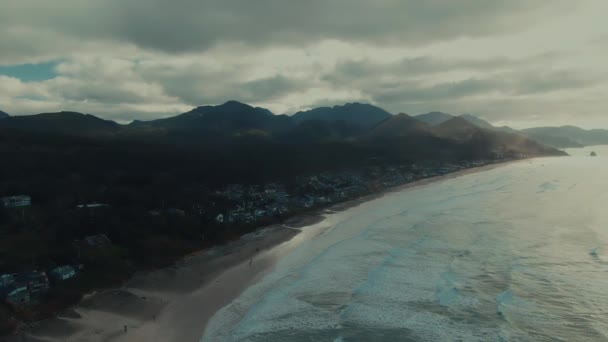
point(515, 253)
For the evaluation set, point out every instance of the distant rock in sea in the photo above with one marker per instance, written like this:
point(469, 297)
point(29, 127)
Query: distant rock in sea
point(593, 154)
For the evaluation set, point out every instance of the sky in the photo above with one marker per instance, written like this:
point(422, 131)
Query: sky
point(521, 63)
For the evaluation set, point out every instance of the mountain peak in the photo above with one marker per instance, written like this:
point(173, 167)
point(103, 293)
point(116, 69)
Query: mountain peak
point(457, 120)
point(235, 104)
point(457, 128)
point(477, 121)
point(434, 118)
point(362, 114)
point(222, 120)
point(398, 126)
point(3, 115)
point(231, 107)
point(355, 105)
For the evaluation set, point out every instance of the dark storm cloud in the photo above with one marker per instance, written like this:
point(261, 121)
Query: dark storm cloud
point(194, 24)
point(187, 25)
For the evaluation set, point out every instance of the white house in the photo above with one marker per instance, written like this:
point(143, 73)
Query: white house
point(63, 273)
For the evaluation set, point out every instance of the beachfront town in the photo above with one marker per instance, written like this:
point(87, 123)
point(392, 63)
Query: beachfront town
point(232, 205)
point(247, 204)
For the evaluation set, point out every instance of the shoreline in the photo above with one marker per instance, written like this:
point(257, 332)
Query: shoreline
point(176, 303)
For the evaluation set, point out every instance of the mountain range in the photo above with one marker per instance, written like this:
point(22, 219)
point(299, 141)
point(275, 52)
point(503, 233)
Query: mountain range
point(558, 137)
point(568, 136)
point(352, 122)
point(236, 142)
point(230, 117)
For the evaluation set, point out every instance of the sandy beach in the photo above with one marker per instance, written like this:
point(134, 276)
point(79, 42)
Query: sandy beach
point(174, 304)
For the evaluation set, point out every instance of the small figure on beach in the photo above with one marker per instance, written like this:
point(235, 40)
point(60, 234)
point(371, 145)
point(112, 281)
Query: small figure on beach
point(125, 328)
point(250, 261)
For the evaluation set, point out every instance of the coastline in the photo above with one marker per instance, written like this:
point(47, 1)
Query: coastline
point(176, 303)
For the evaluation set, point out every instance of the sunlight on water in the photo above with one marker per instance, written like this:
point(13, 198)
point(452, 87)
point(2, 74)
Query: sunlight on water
point(517, 253)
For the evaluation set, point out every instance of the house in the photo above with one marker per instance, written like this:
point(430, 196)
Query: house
point(16, 201)
point(154, 212)
point(16, 294)
point(260, 213)
point(23, 288)
point(176, 212)
point(99, 240)
point(7, 285)
point(92, 206)
point(7, 280)
point(37, 282)
point(197, 208)
point(62, 273)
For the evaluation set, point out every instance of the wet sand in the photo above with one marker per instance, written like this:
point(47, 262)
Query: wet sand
point(174, 304)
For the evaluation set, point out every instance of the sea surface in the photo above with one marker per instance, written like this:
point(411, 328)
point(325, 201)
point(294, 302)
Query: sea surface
point(516, 253)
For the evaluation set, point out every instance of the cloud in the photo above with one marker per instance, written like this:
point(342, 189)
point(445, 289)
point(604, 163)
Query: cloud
point(431, 81)
point(121, 85)
point(509, 84)
point(204, 82)
point(412, 92)
point(107, 87)
point(136, 59)
point(197, 25)
point(426, 66)
point(194, 24)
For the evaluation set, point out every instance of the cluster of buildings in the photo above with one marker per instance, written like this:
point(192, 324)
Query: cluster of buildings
point(29, 287)
point(250, 203)
point(170, 211)
point(246, 204)
point(18, 201)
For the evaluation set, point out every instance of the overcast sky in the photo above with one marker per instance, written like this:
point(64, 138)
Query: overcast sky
point(516, 62)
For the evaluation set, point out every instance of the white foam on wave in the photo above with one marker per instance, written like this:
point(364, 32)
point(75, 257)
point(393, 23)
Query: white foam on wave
point(459, 260)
